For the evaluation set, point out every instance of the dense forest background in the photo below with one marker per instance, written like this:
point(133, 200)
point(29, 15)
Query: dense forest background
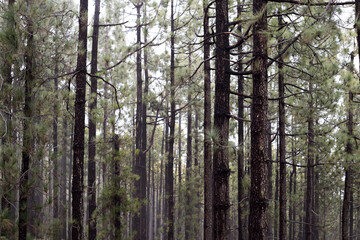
point(169, 119)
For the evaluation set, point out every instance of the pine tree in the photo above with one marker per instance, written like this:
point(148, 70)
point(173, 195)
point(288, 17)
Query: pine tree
point(79, 127)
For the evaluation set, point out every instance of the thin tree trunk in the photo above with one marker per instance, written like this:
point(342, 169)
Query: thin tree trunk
point(63, 175)
point(258, 201)
point(79, 128)
point(117, 200)
point(316, 212)
point(179, 213)
point(189, 189)
point(144, 129)
point(240, 156)
point(348, 170)
point(282, 143)
point(139, 220)
point(221, 171)
point(92, 128)
point(28, 140)
point(170, 164)
point(70, 180)
point(208, 177)
point(197, 203)
point(309, 200)
point(269, 189)
point(55, 149)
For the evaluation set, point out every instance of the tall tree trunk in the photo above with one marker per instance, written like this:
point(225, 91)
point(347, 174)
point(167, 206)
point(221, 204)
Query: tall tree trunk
point(71, 156)
point(144, 126)
point(240, 156)
point(309, 200)
point(139, 220)
point(169, 181)
point(91, 191)
point(221, 171)
point(348, 168)
point(28, 140)
point(117, 199)
point(197, 189)
point(258, 201)
point(316, 214)
point(189, 189)
point(269, 187)
point(79, 128)
point(208, 177)
point(282, 143)
point(63, 188)
point(180, 203)
point(55, 149)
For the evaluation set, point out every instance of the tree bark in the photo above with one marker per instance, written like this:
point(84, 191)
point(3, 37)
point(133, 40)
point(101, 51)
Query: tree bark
point(282, 144)
point(63, 179)
point(117, 199)
point(309, 200)
point(79, 128)
point(258, 201)
point(169, 181)
point(146, 184)
point(189, 188)
point(28, 140)
point(221, 171)
point(55, 149)
point(346, 211)
point(208, 177)
point(91, 191)
point(139, 220)
point(240, 156)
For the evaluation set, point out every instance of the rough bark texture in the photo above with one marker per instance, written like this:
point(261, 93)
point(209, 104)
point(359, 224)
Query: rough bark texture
point(221, 171)
point(258, 201)
point(79, 128)
point(91, 191)
point(169, 176)
point(208, 177)
point(28, 140)
point(282, 145)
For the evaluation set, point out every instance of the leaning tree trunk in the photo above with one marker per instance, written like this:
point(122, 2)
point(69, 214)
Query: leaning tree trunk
point(208, 179)
point(79, 128)
point(221, 171)
point(92, 128)
point(258, 201)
